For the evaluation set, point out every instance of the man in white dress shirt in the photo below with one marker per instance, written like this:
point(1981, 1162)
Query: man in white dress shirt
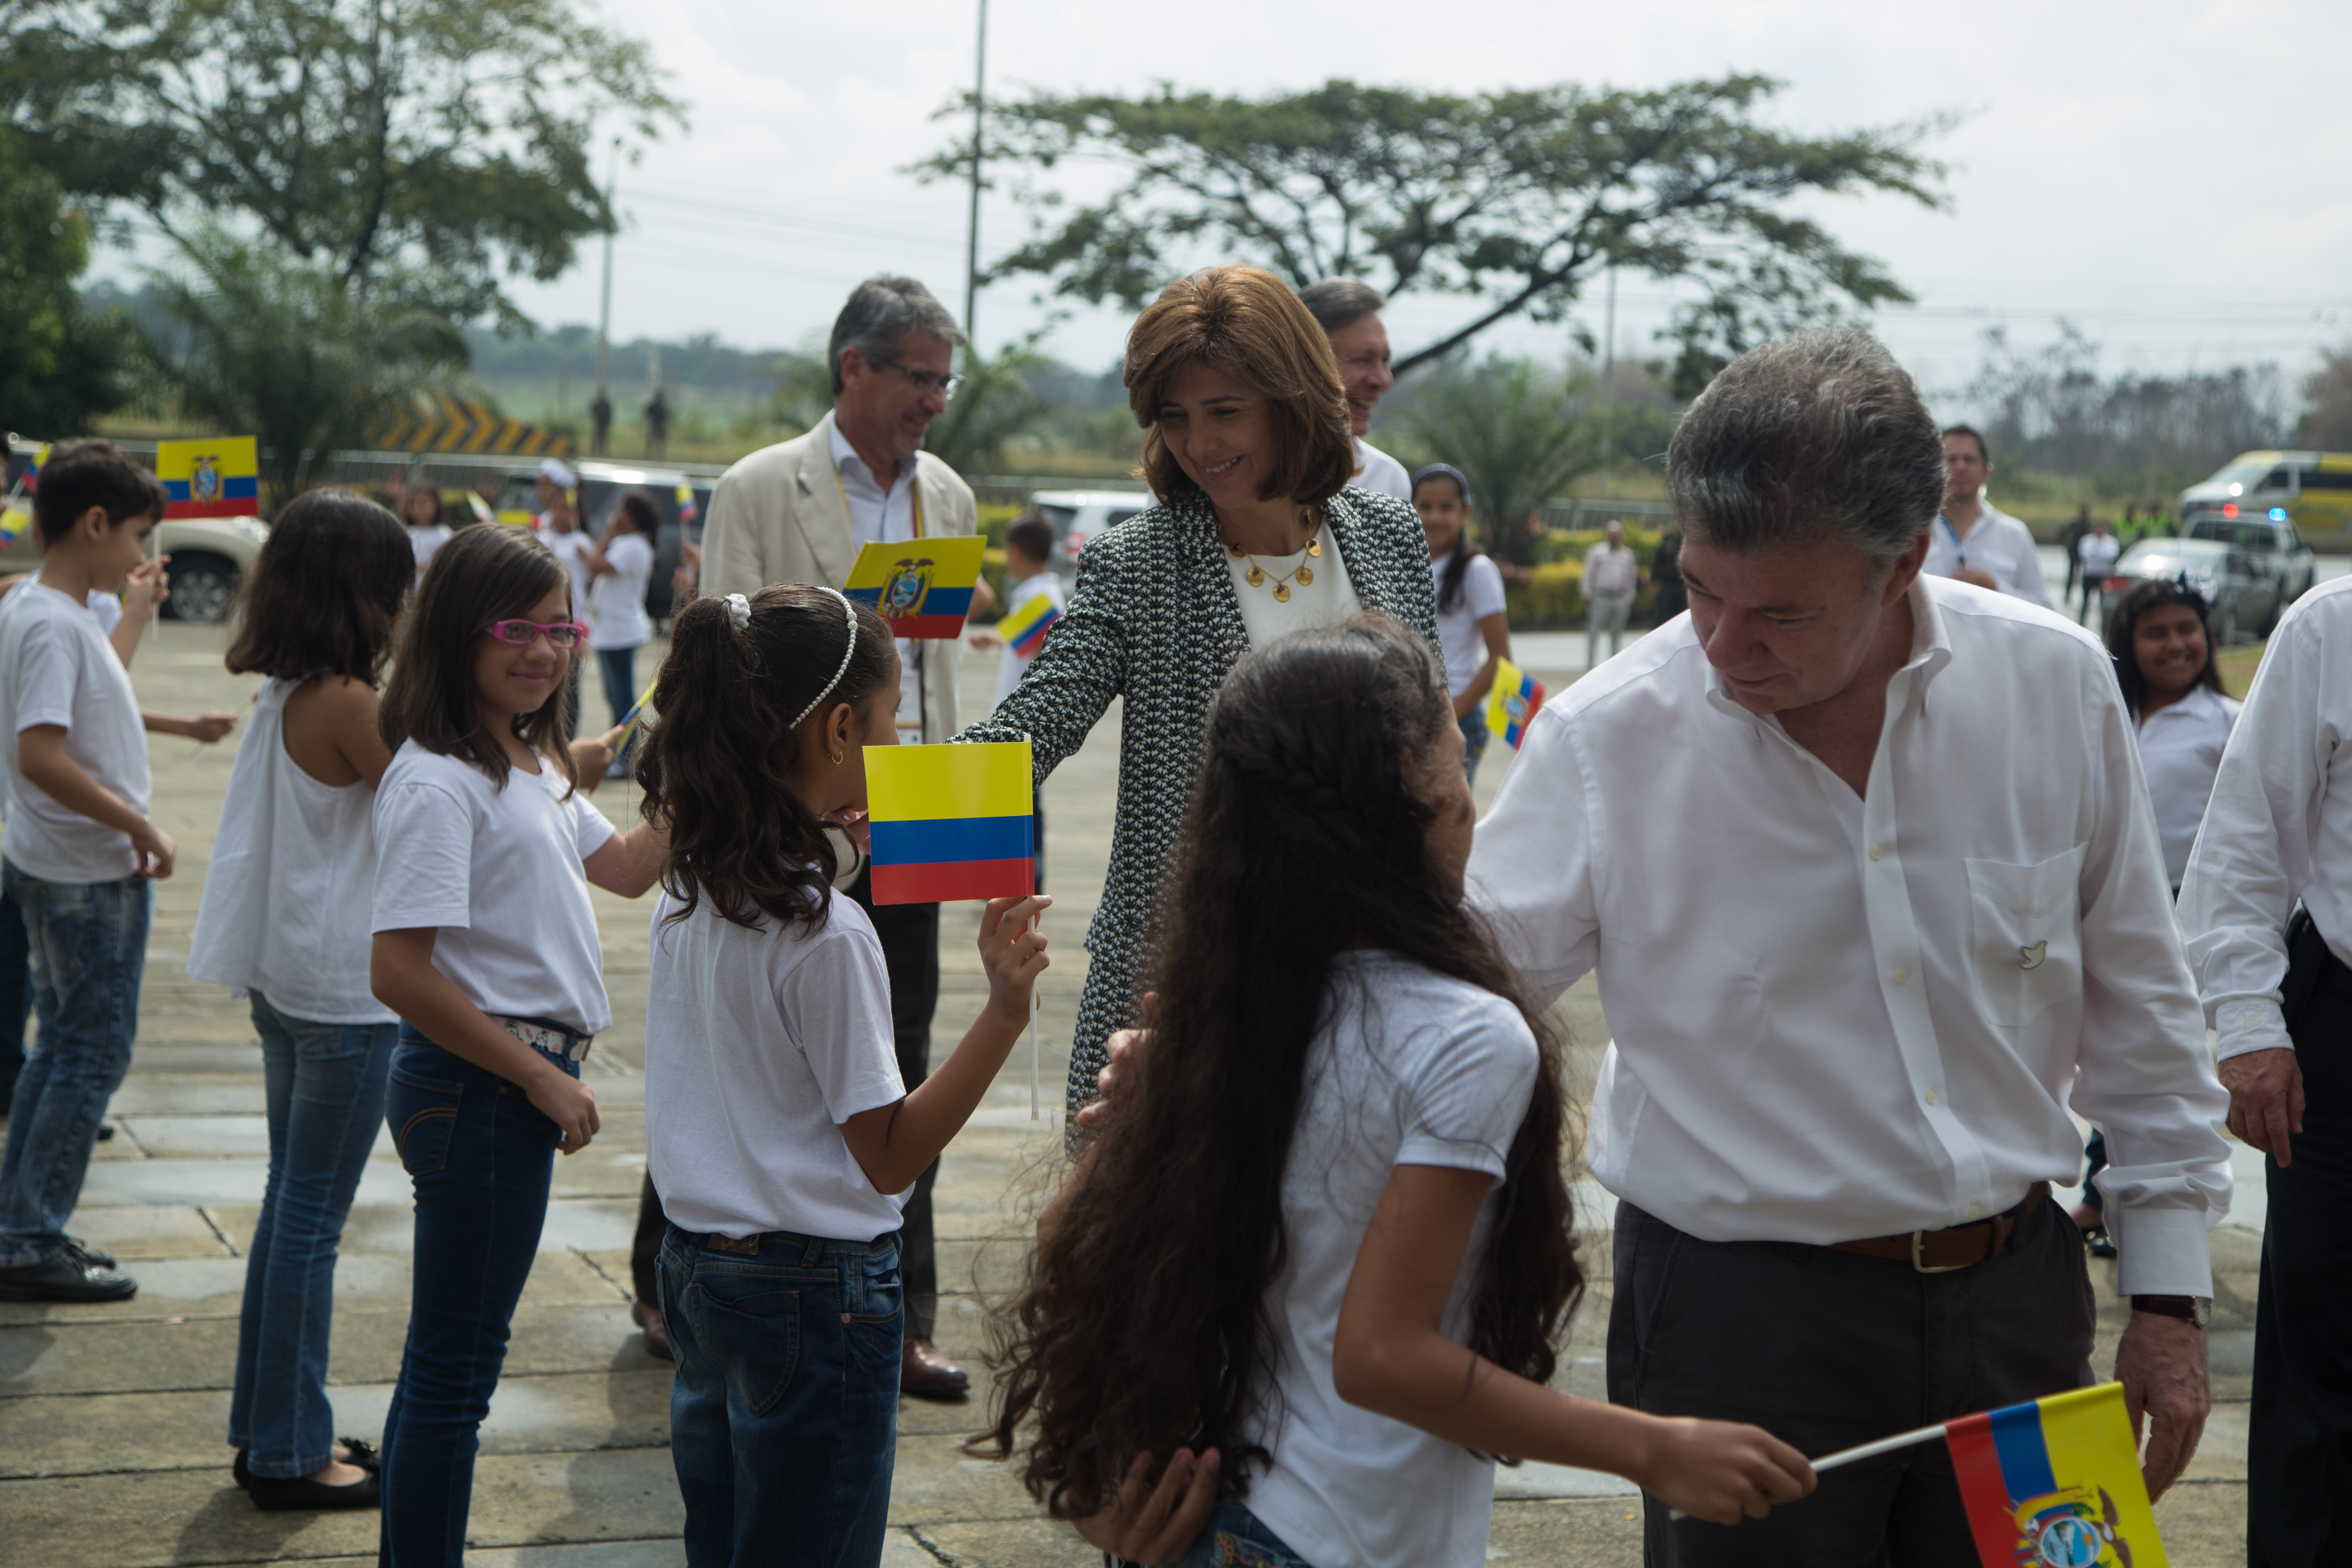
point(1974, 541)
point(1865, 864)
point(1349, 314)
point(2279, 829)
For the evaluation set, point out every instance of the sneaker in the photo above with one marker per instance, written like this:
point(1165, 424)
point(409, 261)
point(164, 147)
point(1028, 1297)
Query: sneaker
point(68, 1276)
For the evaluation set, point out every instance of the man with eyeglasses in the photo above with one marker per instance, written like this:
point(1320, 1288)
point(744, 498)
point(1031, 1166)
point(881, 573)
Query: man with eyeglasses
point(1349, 314)
point(799, 513)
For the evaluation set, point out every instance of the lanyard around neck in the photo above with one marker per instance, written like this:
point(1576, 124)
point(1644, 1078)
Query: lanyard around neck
point(1959, 550)
point(914, 501)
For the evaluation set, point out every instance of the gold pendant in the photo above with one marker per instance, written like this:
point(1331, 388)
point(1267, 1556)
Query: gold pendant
point(1282, 593)
point(1237, 550)
point(1257, 577)
point(1305, 574)
point(1315, 547)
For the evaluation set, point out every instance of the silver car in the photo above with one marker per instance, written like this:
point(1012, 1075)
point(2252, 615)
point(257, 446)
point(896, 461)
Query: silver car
point(2245, 597)
point(1078, 515)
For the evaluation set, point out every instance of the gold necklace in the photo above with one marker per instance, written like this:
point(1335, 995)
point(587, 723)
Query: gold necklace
point(1302, 573)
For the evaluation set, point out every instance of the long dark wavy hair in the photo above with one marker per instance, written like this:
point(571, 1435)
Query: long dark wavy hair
point(483, 575)
point(715, 765)
point(326, 591)
point(2123, 626)
point(1142, 1323)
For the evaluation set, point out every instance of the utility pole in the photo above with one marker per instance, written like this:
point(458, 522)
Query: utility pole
point(605, 320)
point(972, 227)
point(1608, 382)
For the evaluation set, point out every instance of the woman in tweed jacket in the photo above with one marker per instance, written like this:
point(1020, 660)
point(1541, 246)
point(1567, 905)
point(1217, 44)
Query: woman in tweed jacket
point(1157, 616)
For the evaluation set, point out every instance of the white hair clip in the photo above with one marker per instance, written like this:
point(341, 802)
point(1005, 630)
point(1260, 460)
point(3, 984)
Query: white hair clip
point(849, 617)
point(739, 610)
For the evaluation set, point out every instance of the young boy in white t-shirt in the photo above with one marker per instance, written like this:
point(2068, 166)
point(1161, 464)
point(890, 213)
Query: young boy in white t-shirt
point(1023, 629)
point(76, 858)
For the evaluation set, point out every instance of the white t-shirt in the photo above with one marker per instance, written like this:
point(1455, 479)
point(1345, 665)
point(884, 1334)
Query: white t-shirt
point(56, 667)
point(1998, 544)
point(1008, 674)
point(1458, 633)
point(2097, 552)
point(291, 886)
point(1329, 598)
point(759, 1044)
point(1415, 1069)
point(619, 620)
point(2181, 752)
point(107, 607)
point(497, 872)
point(1381, 472)
point(425, 542)
point(572, 549)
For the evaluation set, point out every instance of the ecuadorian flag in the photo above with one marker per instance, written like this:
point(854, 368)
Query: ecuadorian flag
point(951, 822)
point(16, 512)
point(1024, 629)
point(2056, 1481)
point(922, 587)
point(220, 477)
point(1513, 703)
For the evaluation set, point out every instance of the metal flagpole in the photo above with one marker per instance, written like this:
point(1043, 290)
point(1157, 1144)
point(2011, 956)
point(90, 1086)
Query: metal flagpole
point(971, 228)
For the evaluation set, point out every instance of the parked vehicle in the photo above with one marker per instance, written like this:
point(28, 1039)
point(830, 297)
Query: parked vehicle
point(2310, 491)
point(2278, 550)
point(1079, 515)
point(2245, 595)
point(600, 484)
point(209, 556)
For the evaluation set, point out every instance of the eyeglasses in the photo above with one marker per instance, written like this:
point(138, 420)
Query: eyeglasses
point(926, 381)
point(522, 634)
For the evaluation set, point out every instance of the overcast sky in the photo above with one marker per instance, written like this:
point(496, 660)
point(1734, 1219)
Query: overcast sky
point(2174, 176)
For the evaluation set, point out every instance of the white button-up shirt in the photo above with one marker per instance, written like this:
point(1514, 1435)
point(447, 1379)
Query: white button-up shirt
point(2181, 752)
point(2000, 544)
point(2279, 827)
point(876, 516)
point(1841, 1017)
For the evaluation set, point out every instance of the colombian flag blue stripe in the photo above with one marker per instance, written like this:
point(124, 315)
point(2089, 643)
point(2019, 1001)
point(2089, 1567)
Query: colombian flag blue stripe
point(948, 838)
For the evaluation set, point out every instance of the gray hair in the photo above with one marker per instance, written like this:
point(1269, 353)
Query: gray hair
point(1337, 301)
point(1821, 435)
point(881, 313)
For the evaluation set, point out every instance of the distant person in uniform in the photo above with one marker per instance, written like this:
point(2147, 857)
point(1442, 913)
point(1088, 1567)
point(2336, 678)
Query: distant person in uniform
point(1349, 314)
point(656, 425)
point(599, 421)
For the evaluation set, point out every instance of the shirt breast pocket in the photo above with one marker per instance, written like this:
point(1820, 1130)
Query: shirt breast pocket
point(2025, 934)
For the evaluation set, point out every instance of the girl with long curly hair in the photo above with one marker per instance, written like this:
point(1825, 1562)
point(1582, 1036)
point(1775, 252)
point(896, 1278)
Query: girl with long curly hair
point(1320, 1252)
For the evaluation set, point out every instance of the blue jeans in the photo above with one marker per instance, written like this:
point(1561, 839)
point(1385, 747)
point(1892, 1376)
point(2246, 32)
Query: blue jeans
point(619, 665)
point(1474, 739)
point(1236, 1537)
point(89, 946)
point(481, 1157)
point(783, 1422)
point(325, 1085)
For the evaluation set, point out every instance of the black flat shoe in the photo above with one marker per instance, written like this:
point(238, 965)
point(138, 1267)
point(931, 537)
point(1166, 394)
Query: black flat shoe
point(240, 1473)
point(354, 1452)
point(301, 1493)
point(68, 1276)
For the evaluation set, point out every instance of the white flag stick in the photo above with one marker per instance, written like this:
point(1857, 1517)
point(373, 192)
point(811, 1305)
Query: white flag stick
point(1861, 1451)
point(1035, 1003)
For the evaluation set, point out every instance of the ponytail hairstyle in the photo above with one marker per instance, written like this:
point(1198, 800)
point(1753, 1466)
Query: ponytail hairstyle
point(481, 576)
point(1143, 1322)
point(326, 591)
point(1457, 564)
point(734, 700)
point(643, 512)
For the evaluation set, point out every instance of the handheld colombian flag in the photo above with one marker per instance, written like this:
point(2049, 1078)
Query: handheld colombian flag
point(1024, 629)
point(2057, 1482)
point(1513, 703)
point(951, 821)
point(215, 477)
point(922, 587)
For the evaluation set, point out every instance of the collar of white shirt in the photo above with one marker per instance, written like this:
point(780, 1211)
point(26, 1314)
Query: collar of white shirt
point(874, 516)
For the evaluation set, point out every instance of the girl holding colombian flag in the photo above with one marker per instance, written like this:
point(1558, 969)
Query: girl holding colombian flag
point(783, 1141)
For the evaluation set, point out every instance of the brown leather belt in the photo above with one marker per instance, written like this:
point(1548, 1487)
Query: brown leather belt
point(1955, 1246)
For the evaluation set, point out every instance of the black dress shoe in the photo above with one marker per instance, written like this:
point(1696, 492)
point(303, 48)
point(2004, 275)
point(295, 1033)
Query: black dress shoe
point(68, 1276)
point(272, 1494)
point(2101, 1244)
point(97, 1255)
point(240, 1473)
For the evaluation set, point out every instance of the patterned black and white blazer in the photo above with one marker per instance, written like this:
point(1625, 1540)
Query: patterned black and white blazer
point(1154, 619)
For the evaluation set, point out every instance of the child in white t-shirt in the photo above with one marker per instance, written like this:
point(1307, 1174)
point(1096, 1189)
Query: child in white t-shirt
point(1320, 1252)
point(77, 859)
point(485, 944)
point(783, 1142)
point(1472, 630)
point(428, 526)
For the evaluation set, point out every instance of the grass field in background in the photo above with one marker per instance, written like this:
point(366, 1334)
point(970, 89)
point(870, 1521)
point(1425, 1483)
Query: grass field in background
point(2238, 665)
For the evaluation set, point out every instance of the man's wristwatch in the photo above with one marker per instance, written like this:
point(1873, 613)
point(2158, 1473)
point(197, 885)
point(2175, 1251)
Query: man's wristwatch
point(2197, 1310)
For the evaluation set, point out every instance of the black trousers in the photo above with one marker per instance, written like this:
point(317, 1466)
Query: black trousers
point(910, 950)
point(2299, 1445)
point(1826, 1350)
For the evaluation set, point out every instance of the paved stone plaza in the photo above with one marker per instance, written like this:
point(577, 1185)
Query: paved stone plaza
point(112, 1417)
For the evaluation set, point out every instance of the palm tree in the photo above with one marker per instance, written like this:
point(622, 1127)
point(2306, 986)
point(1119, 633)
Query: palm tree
point(1510, 426)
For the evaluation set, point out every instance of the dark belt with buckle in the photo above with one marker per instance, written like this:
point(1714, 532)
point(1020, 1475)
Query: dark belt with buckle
point(1955, 1246)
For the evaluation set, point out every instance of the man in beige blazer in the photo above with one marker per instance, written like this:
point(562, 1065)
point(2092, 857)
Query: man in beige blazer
point(798, 512)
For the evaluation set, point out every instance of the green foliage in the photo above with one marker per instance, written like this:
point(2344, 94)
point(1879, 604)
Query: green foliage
point(450, 140)
point(61, 363)
point(1518, 197)
point(1510, 426)
point(803, 390)
point(283, 350)
point(995, 407)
